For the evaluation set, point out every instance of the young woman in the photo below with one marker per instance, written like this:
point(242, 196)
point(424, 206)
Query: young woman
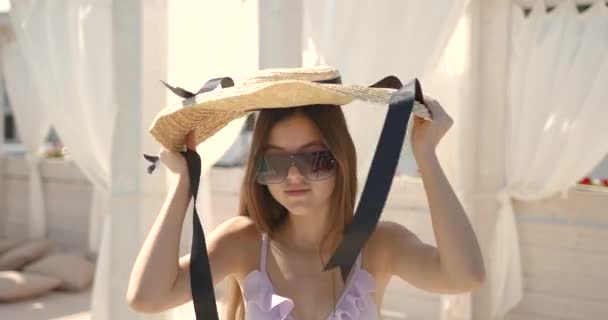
point(297, 196)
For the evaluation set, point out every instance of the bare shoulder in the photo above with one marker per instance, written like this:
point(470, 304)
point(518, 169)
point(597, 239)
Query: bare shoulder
point(389, 230)
point(236, 228)
point(237, 239)
point(381, 245)
point(235, 234)
point(392, 236)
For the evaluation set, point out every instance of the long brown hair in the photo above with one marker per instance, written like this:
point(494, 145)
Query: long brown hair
point(256, 201)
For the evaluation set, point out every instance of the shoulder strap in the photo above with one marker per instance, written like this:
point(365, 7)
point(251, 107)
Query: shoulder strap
point(381, 172)
point(264, 252)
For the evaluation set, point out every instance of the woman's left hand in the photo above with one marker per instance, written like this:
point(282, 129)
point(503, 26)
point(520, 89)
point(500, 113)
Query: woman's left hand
point(427, 134)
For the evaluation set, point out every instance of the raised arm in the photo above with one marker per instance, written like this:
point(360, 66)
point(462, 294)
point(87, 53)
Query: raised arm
point(160, 279)
point(158, 267)
point(456, 264)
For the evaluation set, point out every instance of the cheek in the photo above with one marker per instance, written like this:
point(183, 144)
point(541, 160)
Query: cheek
point(275, 190)
point(325, 188)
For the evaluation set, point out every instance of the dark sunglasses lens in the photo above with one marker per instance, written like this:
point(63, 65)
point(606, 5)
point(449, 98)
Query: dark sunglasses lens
point(316, 165)
point(313, 166)
point(273, 169)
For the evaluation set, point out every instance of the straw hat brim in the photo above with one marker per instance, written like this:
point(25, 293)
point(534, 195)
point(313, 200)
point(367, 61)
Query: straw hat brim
point(208, 112)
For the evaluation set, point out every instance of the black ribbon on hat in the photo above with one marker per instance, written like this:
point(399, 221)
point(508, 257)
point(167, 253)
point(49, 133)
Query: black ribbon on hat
point(367, 214)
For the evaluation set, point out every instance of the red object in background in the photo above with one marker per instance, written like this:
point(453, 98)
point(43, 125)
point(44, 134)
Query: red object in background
point(594, 182)
point(586, 181)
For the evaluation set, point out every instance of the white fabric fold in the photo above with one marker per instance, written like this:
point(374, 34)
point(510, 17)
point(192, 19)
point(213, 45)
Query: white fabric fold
point(37, 215)
point(405, 38)
point(555, 115)
point(33, 125)
point(67, 49)
point(505, 265)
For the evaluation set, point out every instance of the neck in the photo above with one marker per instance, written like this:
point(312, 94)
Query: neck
point(305, 231)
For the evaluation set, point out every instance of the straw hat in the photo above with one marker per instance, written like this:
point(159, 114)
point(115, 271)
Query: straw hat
point(219, 102)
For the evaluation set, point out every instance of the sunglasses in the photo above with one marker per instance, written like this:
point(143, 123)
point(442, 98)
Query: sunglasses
point(314, 166)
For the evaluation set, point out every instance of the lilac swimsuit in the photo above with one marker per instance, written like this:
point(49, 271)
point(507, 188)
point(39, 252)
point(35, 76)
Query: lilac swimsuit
point(263, 303)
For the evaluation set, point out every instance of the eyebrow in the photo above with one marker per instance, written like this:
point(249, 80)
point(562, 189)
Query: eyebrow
point(310, 144)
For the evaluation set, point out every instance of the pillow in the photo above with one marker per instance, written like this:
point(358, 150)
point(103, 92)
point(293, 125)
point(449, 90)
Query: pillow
point(19, 256)
point(6, 244)
point(75, 272)
point(16, 285)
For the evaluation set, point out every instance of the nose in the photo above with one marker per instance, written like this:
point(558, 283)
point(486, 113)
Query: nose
point(293, 172)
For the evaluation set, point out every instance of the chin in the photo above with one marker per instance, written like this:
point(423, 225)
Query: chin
point(309, 204)
point(301, 207)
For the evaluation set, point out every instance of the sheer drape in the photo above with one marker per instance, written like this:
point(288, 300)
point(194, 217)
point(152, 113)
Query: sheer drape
point(33, 126)
point(231, 51)
point(67, 47)
point(556, 114)
point(402, 38)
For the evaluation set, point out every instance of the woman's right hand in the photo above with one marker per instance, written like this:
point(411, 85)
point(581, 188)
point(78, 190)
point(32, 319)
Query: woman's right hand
point(174, 161)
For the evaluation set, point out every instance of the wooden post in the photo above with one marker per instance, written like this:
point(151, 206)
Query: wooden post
point(491, 33)
point(3, 204)
point(119, 246)
point(154, 59)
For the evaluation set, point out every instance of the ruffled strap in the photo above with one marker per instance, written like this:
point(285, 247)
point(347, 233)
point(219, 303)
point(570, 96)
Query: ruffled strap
point(363, 281)
point(258, 291)
point(357, 299)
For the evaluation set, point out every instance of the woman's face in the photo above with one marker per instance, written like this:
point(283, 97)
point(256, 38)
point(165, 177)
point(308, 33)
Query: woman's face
point(294, 135)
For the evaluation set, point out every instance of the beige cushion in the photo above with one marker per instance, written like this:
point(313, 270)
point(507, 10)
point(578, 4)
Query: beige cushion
point(18, 257)
point(6, 244)
point(75, 272)
point(15, 285)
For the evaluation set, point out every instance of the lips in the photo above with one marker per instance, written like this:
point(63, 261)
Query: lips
point(296, 191)
point(297, 188)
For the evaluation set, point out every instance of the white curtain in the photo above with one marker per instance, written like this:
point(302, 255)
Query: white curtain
point(33, 125)
point(67, 47)
point(367, 40)
point(191, 63)
point(556, 120)
point(402, 38)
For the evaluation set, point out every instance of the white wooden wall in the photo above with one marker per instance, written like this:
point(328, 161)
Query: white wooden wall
point(564, 247)
point(564, 243)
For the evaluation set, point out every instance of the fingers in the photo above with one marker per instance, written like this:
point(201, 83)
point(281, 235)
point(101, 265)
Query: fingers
point(190, 141)
point(434, 107)
point(164, 154)
point(437, 111)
